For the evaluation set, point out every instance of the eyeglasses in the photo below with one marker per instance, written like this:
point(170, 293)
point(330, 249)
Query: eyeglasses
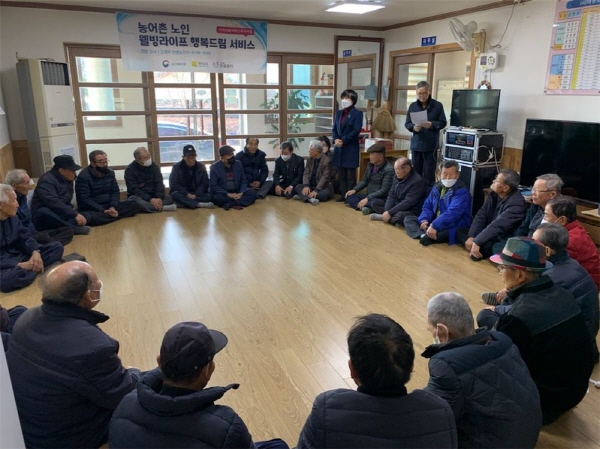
point(541, 191)
point(102, 161)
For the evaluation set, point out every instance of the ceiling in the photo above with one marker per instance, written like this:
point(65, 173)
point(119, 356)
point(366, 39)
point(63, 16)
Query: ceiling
point(286, 11)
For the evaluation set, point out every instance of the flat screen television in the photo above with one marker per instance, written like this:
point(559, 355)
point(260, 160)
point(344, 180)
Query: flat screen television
point(475, 108)
point(569, 149)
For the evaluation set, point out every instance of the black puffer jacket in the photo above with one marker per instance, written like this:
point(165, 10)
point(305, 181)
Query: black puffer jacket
point(145, 182)
point(146, 418)
point(407, 195)
point(181, 182)
point(55, 193)
point(488, 386)
point(356, 419)
point(96, 193)
point(497, 218)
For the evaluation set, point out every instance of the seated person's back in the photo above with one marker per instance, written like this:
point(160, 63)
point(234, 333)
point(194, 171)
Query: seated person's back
point(381, 413)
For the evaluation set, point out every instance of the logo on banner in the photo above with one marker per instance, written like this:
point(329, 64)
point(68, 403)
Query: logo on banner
point(166, 63)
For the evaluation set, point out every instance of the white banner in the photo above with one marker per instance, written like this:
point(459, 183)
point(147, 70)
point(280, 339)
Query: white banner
point(191, 44)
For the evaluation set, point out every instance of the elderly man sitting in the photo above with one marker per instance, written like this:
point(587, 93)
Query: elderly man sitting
point(405, 198)
point(189, 181)
point(481, 374)
point(545, 188)
point(501, 214)
point(377, 179)
point(21, 257)
point(145, 183)
point(546, 324)
point(316, 182)
point(65, 371)
point(445, 211)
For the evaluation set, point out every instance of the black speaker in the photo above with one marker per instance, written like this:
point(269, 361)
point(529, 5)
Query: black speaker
point(477, 178)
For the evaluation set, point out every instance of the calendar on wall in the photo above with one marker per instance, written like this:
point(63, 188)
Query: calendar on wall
point(574, 62)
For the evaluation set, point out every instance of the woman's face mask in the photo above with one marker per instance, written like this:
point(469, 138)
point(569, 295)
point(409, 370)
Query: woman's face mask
point(346, 103)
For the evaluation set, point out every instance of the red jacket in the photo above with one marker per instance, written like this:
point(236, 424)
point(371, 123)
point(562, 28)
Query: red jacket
point(583, 249)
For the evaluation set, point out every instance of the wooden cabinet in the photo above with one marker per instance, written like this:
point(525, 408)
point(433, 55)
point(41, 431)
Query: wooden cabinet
point(324, 120)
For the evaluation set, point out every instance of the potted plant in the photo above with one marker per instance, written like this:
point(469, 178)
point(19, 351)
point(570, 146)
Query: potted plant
point(296, 100)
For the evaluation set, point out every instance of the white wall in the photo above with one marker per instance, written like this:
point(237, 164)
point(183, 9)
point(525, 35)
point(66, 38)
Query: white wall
point(4, 134)
point(10, 427)
point(40, 33)
point(522, 73)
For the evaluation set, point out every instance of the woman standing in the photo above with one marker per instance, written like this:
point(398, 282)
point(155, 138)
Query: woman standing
point(346, 128)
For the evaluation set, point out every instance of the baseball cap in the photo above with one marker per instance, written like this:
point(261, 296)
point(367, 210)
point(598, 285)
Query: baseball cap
point(523, 253)
point(188, 150)
point(66, 161)
point(225, 150)
point(188, 347)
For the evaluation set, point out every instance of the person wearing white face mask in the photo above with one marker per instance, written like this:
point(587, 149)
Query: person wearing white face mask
point(500, 215)
point(66, 372)
point(446, 209)
point(481, 374)
point(145, 183)
point(346, 129)
point(289, 170)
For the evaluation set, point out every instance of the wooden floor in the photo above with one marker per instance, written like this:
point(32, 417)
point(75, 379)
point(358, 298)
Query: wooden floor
point(284, 281)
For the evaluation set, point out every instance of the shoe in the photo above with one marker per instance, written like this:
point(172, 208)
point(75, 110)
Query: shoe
point(426, 241)
point(205, 205)
point(297, 197)
point(366, 211)
point(489, 298)
point(376, 217)
point(341, 199)
point(313, 201)
point(71, 257)
point(81, 230)
point(227, 206)
point(476, 259)
point(170, 207)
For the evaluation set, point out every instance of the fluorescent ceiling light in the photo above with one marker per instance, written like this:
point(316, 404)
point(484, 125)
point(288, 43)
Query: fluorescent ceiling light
point(354, 8)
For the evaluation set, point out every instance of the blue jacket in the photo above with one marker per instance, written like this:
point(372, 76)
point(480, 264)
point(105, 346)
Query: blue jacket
point(455, 209)
point(487, 384)
point(218, 181)
point(255, 165)
point(348, 419)
point(96, 193)
point(146, 418)
point(55, 193)
point(427, 139)
point(24, 213)
point(145, 182)
point(347, 156)
point(498, 218)
point(16, 243)
point(178, 182)
point(66, 375)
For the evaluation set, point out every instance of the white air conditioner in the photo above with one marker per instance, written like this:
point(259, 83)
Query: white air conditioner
point(48, 110)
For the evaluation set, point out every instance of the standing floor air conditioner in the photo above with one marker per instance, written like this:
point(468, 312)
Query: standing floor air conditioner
point(48, 111)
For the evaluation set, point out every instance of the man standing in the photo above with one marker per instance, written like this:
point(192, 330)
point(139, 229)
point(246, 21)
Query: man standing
point(255, 167)
point(546, 324)
point(500, 215)
point(426, 135)
point(481, 375)
point(445, 211)
point(405, 198)
point(20, 181)
point(51, 206)
point(188, 181)
point(289, 169)
point(545, 188)
point(66, 373)
point(172, 408)
point(381, 414)
point(228, 185)
point(145, 183)
point(377, 179)
point(316, 183)
point(98, 192)
point(21, 257)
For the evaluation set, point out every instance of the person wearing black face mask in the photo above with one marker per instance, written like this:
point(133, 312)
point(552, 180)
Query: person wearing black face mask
point(228, 184)
point(97, 192)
